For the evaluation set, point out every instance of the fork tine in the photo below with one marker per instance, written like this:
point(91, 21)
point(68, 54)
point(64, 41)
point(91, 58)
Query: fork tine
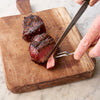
point(71, 53)
point(64, 52)
point(61, 56)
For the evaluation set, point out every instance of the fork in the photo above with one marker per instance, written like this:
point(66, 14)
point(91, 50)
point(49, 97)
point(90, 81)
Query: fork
point(64, 53)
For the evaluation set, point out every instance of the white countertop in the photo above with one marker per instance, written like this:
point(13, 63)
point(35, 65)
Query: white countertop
point(84, 90)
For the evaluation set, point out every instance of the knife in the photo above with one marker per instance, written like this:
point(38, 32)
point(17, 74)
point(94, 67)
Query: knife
point(72, 23)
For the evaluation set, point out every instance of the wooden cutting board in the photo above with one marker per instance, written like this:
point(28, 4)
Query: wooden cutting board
point(21, 73)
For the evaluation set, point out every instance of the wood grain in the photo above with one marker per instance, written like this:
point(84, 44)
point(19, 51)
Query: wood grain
point(23, 6)
point(21, 73)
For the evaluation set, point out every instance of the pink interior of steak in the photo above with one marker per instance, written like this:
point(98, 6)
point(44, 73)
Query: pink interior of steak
point(40, 56)
point(41, 47)
point(34, 53)
point(51, 62)
point(43, 54)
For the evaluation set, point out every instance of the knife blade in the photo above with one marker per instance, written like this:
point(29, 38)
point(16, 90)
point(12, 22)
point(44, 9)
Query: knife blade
point(72, 23)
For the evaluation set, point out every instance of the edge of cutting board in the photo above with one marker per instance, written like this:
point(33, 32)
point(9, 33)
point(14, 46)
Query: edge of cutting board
point(52, 83)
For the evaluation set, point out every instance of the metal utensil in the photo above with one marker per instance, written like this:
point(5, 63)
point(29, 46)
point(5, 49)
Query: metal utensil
point(64, 53)
point(72, 23)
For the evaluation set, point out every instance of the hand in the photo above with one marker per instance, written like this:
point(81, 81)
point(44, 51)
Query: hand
point(91, 3)
point(92, 35)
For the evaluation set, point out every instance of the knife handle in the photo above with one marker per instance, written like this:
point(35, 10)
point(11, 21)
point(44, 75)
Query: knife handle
point(87, 1)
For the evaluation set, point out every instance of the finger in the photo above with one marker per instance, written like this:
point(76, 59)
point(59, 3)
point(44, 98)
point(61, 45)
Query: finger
point(88, 39)
point(79, 1)
point(95, 41)
point(92, 2)
point(95, 52)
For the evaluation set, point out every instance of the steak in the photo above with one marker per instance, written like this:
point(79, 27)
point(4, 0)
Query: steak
point(32, 25)
point(41, 43)
point(40, 47)
point(51, 62)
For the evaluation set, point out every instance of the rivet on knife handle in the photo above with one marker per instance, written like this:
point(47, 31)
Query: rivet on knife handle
point(72, 23)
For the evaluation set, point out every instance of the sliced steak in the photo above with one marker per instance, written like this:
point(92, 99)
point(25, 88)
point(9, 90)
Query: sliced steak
point(51, 62)
point(41, 47)
point(32, 25)
point(41, 43)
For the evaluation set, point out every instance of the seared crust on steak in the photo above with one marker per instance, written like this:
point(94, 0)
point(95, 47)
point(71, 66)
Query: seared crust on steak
point(41, 43)
point(32, 25)
point(40, 47)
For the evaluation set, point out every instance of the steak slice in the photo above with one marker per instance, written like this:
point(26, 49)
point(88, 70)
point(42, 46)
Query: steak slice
point(41, 47)
point(51, 62)
point(32, 25)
